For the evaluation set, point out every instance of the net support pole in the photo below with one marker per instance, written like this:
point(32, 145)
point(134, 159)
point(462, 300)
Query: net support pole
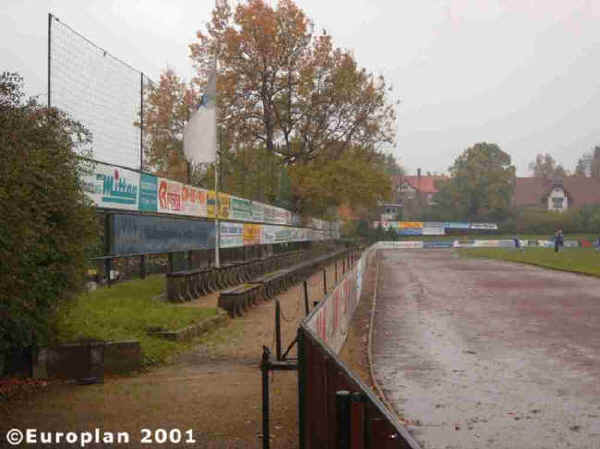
point(49, 56)
point(141, 121)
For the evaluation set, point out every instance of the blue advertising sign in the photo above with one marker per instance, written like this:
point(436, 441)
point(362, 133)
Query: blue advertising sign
point(148, 234)
point(440, 244)
point(456, 225)
point(148, 193)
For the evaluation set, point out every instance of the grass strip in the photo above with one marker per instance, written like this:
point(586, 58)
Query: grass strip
point(124, 312)
point(575, 260)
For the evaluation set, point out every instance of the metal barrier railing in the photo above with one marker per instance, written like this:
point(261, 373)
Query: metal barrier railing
point(336, 409)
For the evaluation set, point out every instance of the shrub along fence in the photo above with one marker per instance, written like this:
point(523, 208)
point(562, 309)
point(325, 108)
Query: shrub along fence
point(336, 409)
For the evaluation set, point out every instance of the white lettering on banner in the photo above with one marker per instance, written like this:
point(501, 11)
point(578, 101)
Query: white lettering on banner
point(111, 187)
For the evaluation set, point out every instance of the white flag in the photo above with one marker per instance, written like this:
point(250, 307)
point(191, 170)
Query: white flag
point(200, 132)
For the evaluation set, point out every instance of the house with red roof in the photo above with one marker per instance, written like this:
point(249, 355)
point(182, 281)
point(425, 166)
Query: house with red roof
point(416, 187)
point(558, 194)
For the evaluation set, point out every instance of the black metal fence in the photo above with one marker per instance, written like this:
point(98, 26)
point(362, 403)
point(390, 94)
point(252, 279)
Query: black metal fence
point(336, 409)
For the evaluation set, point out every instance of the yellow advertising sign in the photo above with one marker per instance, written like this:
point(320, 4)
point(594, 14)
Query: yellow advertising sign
point(224, 205)
point(251, 234)
point(410, 224)
point(211, 203)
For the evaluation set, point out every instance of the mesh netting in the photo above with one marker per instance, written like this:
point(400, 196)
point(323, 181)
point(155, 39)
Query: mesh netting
point(98, 90)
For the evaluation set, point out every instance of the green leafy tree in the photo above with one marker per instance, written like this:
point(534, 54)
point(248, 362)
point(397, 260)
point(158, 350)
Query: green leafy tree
point(46, 223)
point(480, 185)
point(321, 186)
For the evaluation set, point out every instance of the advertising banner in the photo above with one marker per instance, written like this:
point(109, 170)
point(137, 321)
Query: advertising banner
point(117, 188)
point(433, 228)
point(464, 244)
point(257, 211)
point(251, 234)
point(193, 201)
point(410, 224)
point(486, 244)
point(456, 225)
point(148, 193)
point(111, 187)
point(147, 234)
point(484, 226)
point(169, 196)
point(240, 209)
point(224, 205)
point(440, 244)
point(268, 234)
point(211, 203)
point(332, 318)
point(506, 243)
point(231, 234)
point(410, 231)
point(400, 245)
point(545, 243)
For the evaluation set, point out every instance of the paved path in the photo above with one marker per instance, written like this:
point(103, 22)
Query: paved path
point(488, 354)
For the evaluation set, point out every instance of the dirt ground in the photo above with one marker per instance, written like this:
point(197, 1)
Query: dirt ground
point(489, 354)
point(214, 389)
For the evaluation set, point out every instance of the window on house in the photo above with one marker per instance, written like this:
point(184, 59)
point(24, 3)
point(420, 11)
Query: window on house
point(557, 203)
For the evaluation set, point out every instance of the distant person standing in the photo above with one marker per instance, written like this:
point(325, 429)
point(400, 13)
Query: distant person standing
point(558, 240)
point(598, 244)
point(517, 243)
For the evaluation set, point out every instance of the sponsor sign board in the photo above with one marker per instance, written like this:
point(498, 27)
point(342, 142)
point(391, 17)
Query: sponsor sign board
point(148, 201)
point(251, 234)
point(400, 245)
point(231, 234)
point(410, 224)
point(410, 231)
point(169, 196)
point(486, 243)
point(147, 234)
point(440, 244)
point(332, 318)
point(456, 225)
point(112, 187)
point(257, 212)
point(485, 226)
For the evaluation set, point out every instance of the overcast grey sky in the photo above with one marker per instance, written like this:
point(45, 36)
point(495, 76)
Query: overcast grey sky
point(521, 73)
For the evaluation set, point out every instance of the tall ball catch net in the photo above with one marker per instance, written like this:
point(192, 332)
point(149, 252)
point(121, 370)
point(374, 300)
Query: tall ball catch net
point(98, 90)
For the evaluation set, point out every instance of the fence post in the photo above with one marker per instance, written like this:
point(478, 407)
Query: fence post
point(143, 266)
point(342, 406)
point(301, 387)
point(325, 281)
point(189, 260)
point(357, 421)
point(306, 307)
point(278, 329)
point(264, 366)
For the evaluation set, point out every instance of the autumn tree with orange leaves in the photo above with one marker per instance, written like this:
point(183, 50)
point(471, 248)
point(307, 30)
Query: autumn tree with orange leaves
point(289, 92)
point(167, 108)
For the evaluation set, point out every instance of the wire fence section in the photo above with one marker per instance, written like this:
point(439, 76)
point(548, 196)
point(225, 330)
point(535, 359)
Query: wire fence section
point(100, 91)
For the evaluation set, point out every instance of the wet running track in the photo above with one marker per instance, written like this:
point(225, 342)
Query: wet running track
point(488, 354)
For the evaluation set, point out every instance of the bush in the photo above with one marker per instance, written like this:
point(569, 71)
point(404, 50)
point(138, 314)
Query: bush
point(45, 220)
point(537, 221)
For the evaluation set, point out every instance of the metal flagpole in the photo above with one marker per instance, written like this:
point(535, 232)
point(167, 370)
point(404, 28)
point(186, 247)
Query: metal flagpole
point(217, 202)
point(217, 169)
